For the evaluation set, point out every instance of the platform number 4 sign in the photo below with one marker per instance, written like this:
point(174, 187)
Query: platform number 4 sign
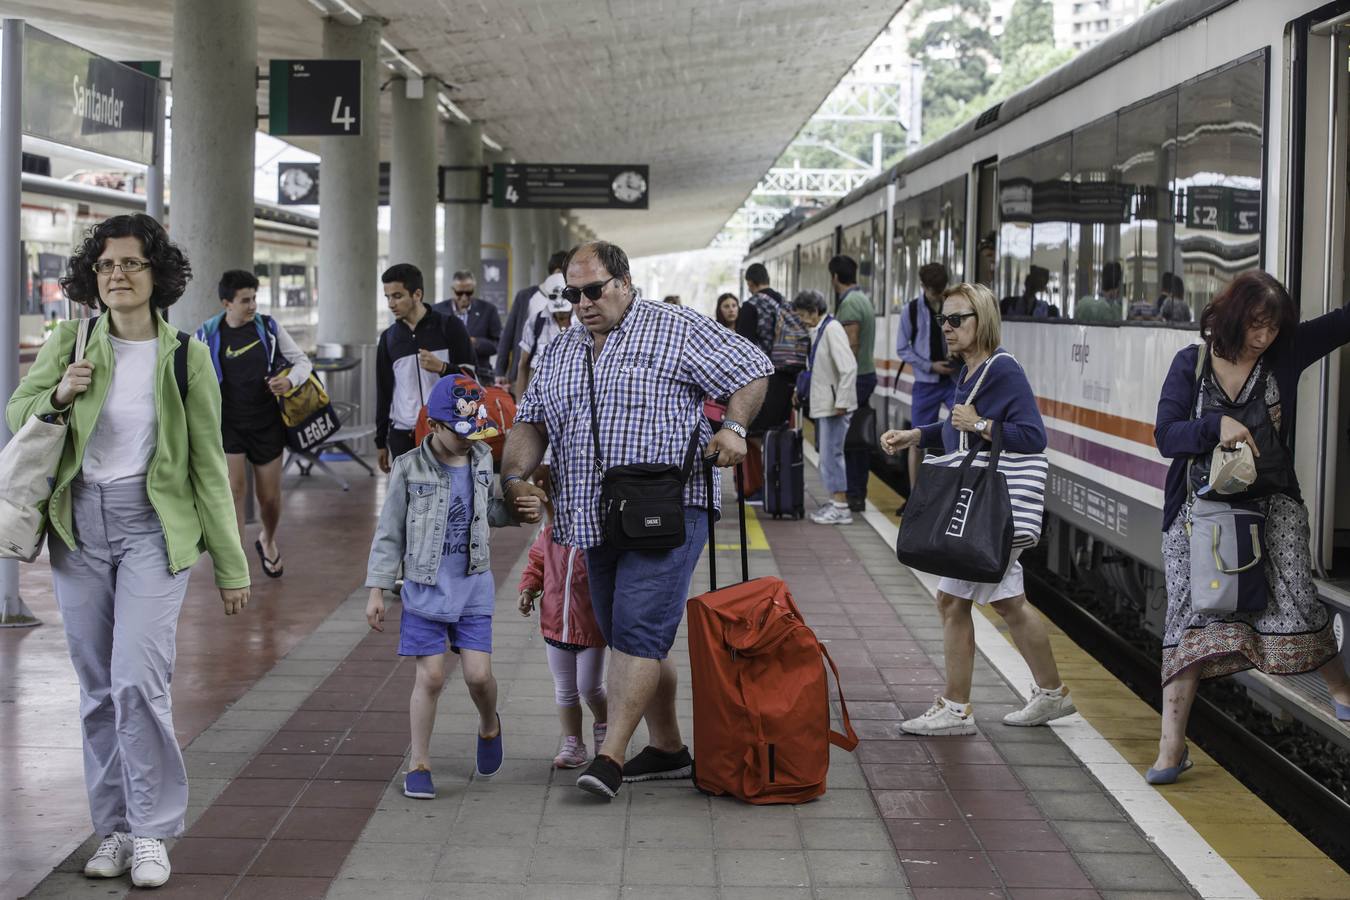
point(512, 195)
point(314, 97)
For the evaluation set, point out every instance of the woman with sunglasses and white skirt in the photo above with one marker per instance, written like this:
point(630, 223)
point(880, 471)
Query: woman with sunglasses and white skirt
point(972, 326)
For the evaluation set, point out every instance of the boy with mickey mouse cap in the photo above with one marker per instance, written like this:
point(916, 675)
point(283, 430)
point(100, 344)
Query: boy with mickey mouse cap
point(440, 501)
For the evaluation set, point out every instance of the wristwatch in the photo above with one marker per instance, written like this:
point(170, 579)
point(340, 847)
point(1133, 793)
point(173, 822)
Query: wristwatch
point(734, 427)
point(981, 425)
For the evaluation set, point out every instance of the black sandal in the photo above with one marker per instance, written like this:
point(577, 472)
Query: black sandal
point(271, 567)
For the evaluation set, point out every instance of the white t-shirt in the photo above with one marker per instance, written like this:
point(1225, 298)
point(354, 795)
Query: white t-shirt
point(124, 438)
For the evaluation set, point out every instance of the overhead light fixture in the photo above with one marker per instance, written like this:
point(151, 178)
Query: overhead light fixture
point(338, 9)
point(491, 144)
point(409, 68)
point(449, 106)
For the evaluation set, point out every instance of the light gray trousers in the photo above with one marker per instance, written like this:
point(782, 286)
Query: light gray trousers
point(120, 605)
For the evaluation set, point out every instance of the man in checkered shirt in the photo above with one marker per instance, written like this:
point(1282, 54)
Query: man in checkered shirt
point(655, 363)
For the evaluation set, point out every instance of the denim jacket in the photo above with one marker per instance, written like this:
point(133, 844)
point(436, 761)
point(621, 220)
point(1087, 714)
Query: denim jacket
point(416, 506)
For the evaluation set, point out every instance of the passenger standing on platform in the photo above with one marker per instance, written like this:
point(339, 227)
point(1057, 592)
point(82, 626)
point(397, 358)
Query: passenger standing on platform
point(437, 510)
point(920, 345)
point(971, 325)
point(756, 321)
point(830, 401)
point(553, 319)
point(1029, 304)
point(859, 317)
point(410, 357)
point(555, 579)
point(480, 319)
point(1256, 352)
point(141, 489)
point(1174, 307)
point(728, 308)
point(1104, 307)
point(249, 351)
point(524, 307)
point(631, 383)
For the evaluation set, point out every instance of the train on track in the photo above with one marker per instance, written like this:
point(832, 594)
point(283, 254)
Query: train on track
point(1208, 138)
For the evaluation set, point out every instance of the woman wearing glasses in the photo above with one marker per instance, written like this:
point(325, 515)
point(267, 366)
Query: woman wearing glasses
point(140, 490)
point(970, 323)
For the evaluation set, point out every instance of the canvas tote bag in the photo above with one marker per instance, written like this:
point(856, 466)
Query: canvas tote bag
point(28, 473)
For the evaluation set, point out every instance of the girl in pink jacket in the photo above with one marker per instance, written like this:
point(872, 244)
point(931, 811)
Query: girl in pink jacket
point(576, 649)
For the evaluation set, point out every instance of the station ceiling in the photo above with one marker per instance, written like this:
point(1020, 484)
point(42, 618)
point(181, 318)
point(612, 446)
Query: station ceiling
point(708, 93)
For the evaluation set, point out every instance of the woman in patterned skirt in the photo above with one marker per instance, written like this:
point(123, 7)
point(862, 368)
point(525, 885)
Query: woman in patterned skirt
point(1255, 348)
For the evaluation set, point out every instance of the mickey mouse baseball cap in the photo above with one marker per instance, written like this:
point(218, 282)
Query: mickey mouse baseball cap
point(458, 401)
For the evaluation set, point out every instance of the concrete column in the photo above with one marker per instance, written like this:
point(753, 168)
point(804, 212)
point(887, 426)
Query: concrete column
point(412, 181)
point(349, 199)
point(496, 243)
point(543, 244)
point(215, 84)
point(522, 248)
point(463, 221)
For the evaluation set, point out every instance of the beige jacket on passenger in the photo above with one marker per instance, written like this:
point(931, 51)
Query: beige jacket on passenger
point(834, 372)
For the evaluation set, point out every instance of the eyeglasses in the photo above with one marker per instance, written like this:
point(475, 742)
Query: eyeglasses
point(463, 293)
point(954, 319)
point(128, 266)
point(592, 291)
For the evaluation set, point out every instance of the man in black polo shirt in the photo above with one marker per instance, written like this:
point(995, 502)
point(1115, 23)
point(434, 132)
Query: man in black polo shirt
point(412, 355)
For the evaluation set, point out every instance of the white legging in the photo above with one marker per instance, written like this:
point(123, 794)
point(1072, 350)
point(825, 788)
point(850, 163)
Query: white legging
point(577, 675)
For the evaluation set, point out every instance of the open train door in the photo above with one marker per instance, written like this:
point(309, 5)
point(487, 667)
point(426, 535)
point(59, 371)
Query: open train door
point(1315, 252)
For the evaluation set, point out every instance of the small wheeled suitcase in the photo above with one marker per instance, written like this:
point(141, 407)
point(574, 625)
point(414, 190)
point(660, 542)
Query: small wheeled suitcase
point(784, 473)
point(761, 699)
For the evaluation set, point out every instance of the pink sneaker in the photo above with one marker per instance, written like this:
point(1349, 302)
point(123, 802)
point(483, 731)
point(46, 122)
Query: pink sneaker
point(598, 732)
point(571, 755)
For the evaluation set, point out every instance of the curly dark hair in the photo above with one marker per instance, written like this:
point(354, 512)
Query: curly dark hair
point(1250, 299)
point(168, 266)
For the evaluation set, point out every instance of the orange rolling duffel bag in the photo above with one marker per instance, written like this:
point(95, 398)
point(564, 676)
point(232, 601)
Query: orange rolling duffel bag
point(761, 702)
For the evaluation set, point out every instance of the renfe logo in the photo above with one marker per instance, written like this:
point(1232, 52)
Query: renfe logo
point(1079, 354)
point(957, 526)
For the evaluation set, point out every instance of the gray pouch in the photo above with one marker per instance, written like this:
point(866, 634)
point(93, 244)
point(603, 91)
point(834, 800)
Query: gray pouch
point(1228, 572)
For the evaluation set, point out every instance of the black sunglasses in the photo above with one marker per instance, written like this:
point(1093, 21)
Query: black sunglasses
point(463, 293)
point(592, 290)
point(954, 319)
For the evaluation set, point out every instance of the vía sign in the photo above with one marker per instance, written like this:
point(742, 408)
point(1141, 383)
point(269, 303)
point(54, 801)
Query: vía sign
point(81, 99)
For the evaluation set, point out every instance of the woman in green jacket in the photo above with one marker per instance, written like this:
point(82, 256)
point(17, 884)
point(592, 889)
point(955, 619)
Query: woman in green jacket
point(141, 490)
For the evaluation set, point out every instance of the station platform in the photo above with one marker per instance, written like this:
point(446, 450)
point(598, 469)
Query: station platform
point(294, 720)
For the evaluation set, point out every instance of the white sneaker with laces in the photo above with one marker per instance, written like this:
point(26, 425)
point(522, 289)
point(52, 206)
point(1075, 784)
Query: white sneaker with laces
point(112, 858)
point(150, 865)
point(940, 719)
point(1042, 707)
point(832, 515)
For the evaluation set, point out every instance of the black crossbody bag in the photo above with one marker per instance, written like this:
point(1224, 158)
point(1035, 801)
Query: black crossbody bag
point(642, 504)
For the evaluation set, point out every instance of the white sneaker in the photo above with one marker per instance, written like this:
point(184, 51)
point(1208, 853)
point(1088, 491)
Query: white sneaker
point(832, 515)
point(150, 867)
point(112, 858)
point(1042, 707)
point(940, 719)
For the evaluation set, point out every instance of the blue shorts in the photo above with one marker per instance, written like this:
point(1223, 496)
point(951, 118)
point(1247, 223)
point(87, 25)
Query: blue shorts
point(651, 590)
point(420, 636)
point(929, 398)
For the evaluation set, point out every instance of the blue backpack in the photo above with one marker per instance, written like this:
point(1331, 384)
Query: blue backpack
point(804, 377)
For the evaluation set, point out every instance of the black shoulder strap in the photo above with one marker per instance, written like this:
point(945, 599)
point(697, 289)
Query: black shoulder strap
point(539, 324)
point(913, 320)
point(88, 325)
point(180, 365)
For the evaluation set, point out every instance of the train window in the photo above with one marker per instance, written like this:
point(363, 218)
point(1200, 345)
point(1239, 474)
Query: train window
point(1098, 210)
point(1218, 181)
point(986, 226)
point(859, 243)
point(1146, 164)
point(1014, 201)
point(879, 299)
point(899, 267)
point(814, 273)
point(954, 217)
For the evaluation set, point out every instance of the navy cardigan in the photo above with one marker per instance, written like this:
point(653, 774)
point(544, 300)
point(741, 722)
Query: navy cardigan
point(1180, 437)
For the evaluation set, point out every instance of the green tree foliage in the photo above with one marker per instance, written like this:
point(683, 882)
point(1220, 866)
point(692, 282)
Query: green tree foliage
point(1030, 22)
point(956, 51)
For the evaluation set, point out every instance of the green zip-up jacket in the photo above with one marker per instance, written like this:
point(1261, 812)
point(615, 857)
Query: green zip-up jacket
point(188, 482)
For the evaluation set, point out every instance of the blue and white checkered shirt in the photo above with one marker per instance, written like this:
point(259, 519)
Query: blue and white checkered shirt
point(656, 367)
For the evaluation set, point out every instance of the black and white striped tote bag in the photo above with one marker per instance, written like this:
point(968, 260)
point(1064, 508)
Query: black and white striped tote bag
point(1025, 474)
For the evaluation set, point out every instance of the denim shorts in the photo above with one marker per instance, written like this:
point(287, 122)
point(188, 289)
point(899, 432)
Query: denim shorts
point(638, 596)
point(420, 636)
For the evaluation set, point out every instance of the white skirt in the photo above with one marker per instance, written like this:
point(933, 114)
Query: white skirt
point(983, 592)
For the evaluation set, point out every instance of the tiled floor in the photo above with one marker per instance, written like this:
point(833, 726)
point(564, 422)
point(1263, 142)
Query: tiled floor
point(296, 794)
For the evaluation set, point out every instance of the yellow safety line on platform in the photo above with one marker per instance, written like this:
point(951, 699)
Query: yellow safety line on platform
point(754, 534)
point(1265, 850)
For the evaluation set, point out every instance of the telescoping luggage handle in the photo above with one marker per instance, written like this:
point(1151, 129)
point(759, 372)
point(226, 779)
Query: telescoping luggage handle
point(848, 740)
point(708, 463)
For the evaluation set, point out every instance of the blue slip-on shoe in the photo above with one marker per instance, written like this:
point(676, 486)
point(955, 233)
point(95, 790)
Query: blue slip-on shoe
point(417, 784)
point(490, 753)
point(1172, 773)
point(1342, 712)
